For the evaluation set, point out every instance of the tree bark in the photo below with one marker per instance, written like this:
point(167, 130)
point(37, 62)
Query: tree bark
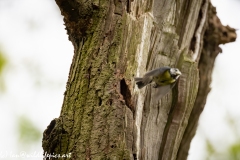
point(104, 115)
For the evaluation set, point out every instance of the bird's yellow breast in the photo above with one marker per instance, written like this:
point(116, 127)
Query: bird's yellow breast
point(164, 79)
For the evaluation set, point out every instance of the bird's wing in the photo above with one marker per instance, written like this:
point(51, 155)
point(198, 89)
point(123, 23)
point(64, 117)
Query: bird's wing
point(156, 72)
point(162, 91)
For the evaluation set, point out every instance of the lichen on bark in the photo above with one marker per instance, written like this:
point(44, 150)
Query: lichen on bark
point(104, 115)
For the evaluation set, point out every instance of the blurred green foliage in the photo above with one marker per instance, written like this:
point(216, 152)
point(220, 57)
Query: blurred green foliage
point(232, 151)
point(3, 62)
point(28, 132)
point(210, 148)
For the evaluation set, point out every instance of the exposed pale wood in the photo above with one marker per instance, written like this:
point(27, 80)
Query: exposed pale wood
point(104, 115)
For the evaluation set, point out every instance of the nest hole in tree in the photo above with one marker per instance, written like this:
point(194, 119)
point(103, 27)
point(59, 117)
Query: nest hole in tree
point(124, 90)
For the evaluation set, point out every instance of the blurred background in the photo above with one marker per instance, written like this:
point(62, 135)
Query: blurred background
point(35, 58)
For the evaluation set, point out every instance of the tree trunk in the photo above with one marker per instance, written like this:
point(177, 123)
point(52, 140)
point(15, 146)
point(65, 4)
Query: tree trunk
point(104, 115)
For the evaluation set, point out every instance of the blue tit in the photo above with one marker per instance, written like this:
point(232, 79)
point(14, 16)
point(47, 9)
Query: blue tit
point(164, 79)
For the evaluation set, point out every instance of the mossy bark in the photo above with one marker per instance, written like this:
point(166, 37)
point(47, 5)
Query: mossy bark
point(104, 115)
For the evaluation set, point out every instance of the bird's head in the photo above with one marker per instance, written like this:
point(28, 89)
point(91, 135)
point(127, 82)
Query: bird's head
point(175, 73)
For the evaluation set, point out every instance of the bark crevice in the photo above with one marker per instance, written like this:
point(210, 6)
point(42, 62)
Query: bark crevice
point(126, 93)
point(104, 115)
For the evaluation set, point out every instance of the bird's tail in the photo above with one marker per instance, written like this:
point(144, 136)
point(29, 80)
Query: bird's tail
point(141, 82)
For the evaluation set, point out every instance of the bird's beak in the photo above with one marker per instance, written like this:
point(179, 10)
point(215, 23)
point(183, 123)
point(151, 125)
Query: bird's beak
point(178, 73)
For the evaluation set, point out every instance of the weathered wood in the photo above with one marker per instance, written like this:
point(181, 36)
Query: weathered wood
point(104, 115)
point(214, 35)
